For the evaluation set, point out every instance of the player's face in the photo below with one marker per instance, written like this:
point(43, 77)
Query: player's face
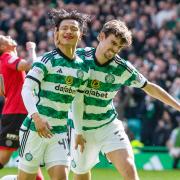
point(110, 46)
point(68, 33)
point(7, 41)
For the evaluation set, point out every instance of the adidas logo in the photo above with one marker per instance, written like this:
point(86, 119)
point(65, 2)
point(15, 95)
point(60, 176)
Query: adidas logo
point(59, 70)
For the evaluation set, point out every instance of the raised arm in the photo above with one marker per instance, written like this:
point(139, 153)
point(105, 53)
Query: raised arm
point(25, 65)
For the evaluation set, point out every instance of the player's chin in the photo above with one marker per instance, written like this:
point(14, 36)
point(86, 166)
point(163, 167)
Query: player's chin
point(68, 42)
point(109, 56)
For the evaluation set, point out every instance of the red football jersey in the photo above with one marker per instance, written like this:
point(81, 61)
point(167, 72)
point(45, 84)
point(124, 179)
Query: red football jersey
point(13, 81)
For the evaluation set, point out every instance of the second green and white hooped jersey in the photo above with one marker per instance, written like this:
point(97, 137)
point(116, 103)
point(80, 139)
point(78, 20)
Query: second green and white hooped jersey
point(58, 79)
point(103, 84)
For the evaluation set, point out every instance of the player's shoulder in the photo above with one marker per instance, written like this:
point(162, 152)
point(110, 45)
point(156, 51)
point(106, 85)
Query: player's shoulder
point(119, 60)
point(87, 51)
point(9, 57)
point(48, 56)
point(123, 63)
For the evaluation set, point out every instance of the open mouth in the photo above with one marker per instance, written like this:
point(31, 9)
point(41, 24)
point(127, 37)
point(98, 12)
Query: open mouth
point(68, 37)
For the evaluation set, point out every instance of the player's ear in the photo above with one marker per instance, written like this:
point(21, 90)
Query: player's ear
point(80, 37)
point(101, 36)
point(2, 47)
point(56, 36)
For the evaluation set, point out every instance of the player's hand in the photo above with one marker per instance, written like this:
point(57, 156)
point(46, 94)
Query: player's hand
point(42, 126)
point(30, 45)
point(80, 141)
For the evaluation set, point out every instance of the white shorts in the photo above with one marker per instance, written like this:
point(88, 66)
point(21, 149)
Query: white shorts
point(35, 150)
point(106, 139)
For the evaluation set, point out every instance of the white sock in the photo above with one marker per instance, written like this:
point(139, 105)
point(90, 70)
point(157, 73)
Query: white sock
point(9, 177)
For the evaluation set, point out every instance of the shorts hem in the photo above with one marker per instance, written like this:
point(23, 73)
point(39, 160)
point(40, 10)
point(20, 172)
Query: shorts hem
point(27, 171)
point(79, 173)
point(57, 164)
point(85, 171)
point(108, 150)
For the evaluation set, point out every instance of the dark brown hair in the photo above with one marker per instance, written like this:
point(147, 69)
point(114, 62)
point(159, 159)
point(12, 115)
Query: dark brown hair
point(57, 16)
point(119, 29)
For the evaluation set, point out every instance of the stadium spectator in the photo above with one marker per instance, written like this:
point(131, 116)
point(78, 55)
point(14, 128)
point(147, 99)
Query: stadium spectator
point(174, 145)
point(162, 130)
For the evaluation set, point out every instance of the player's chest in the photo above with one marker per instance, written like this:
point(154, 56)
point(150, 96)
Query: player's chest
point(76, 71)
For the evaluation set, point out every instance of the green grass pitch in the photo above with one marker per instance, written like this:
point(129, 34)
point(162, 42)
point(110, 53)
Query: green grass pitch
point(111, 174)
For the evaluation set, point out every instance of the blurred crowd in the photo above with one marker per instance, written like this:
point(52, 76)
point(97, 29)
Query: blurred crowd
point(155, 51)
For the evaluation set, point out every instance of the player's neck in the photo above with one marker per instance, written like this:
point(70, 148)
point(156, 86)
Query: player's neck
point(10, 50)
point(68, 51)
point(100, 57)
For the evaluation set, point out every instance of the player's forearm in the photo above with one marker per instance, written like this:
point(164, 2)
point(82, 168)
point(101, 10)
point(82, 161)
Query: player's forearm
point(28, 97)
point(32, 57)
point(25, 65)
point(32, 54)
point(77, 109)
point(160, 94)
point(2, 91)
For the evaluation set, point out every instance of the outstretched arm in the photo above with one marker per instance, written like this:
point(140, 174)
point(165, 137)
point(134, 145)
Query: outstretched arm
point(159, 93)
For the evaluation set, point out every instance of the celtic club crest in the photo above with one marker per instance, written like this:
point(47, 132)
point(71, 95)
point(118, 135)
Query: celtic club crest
point(28, 156)
point(80, 74)
point(109, 78)
point(73, 164)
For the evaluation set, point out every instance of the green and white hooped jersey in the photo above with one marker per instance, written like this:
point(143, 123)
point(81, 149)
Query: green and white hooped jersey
point(103, 84)
point(58, 79)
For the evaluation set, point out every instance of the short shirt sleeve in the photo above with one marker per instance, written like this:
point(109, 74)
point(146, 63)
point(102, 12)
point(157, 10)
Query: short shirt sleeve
point(39, 70)
point(136, 79)
point(11, 60)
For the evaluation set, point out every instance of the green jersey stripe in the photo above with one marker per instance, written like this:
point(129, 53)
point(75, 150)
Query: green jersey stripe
point(50, 112)
point(97, 109)
point(56, 78)
point(87, 127)
point(92, 125)
point(57, 105)
point(104, 87)
point(28, 123)
point(73, 65)
point(95, 101)
point(111, 68)
point(55, 121)
point(41, 66)
point(62, 98)
point(130, 80)
point(99, 117)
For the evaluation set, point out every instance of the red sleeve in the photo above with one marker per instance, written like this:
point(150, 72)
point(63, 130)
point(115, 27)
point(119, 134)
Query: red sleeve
point(11, 61)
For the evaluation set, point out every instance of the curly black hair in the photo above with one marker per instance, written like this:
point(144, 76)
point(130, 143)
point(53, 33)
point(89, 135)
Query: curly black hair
point(56, 16)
